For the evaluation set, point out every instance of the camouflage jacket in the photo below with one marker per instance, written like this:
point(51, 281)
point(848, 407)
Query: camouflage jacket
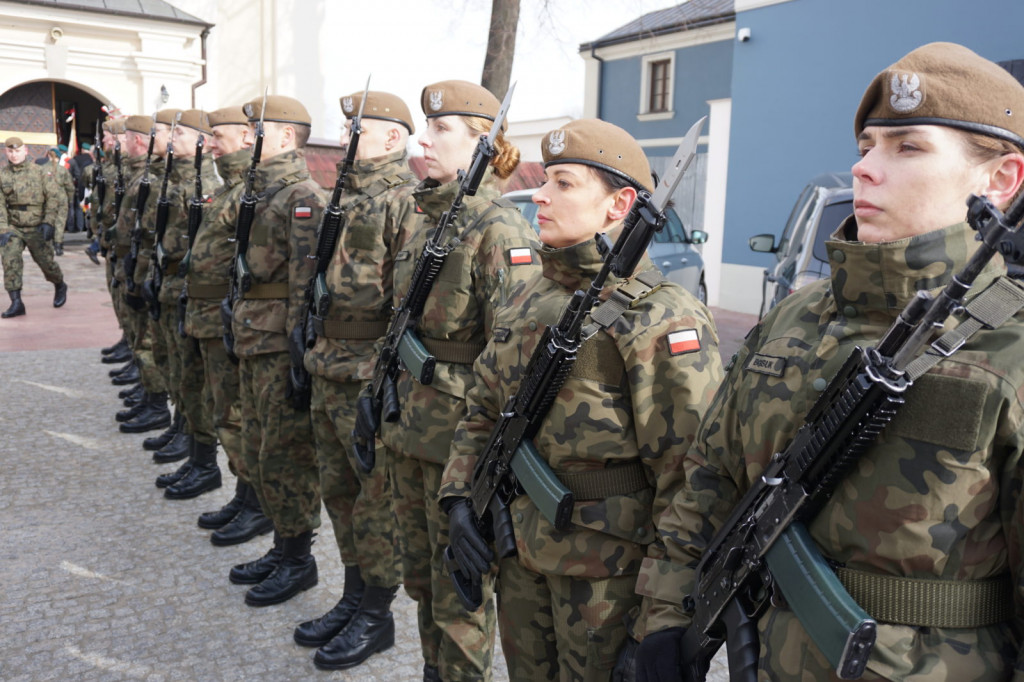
point(360, 274)
point(638, 405)
point(175, 242)
point(938, 494)
point(214, 248)
point(29, 197)
point(147, 234)
point(282, 236)
point(62, 176)
point(108, 210)
point(474, 282)
point(134, 170)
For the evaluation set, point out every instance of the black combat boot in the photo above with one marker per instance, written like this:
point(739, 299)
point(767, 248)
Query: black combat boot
point(203, 476)
point(17, 307)
point(121, 345)
point(60, 293)
point(130, 375)
point(371, 630)
point(164, 480)
point(176, 450)
point(258, 570)
point(133, 392)
point(161, 441)
point(296, 572)
point(431, 673)
point(129, 364)
point(322, 630)
point(249, 522)
point(213, 520)
point(120, 354)
point(130, 413)
point(154, 415)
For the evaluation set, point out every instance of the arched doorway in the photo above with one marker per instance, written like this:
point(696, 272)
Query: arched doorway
point(38, 112)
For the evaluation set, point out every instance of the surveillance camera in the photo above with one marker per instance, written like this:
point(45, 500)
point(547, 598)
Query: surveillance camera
point(743, 35)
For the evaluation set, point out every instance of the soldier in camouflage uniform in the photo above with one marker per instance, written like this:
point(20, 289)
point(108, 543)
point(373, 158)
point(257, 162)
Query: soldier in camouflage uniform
point(360, 281)
point(28, 211)
point(241, 519)
point(62, 176)
point(456, 323)
point(616, 435)
point(934, 505)
point(277, 439)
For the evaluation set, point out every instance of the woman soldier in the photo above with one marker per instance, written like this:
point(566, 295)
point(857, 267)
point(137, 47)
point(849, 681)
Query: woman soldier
point(932, 513)
point(617, 433)
point(495, 251)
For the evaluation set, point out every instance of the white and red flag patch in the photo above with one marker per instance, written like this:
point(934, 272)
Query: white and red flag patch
point(685, 341)
point(520, 256)
point(303, 212)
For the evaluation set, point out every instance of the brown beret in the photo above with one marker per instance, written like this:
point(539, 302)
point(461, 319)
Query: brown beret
point(195, 119)
point(139, 124)
point(381, 105)
point(114, 126)
point(13, 142)
point(280, 108)
point(600, 144)
point(461, 98)
point(166, 116)
point(228, 116)
point(945, 84)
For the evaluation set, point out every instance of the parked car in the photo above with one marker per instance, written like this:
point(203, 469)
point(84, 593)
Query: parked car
point(672, 249)
point(824, 203)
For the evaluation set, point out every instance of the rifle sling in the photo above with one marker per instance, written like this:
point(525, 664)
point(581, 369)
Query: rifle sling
point(457, 352)
point(208, 291)
point(267, 290)
point(353, 331)
point(172, 267)
point(627, 295)
point(599, 484)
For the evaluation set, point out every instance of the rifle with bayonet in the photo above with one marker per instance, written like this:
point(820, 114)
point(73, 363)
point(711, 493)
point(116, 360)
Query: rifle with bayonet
point(119, 190)
point(98, 190)
point(195, 218)
point(509, 464)
point(764, 544)
point(401, 345)
point(317, 296)
point(240, 278)
point(141, 197)
point(152, 287)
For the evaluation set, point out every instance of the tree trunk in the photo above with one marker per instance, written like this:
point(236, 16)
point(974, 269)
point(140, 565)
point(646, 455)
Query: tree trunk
point(501, 46)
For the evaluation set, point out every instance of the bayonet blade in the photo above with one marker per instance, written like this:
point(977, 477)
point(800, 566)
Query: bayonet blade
point(500, 118)
point(684, 156)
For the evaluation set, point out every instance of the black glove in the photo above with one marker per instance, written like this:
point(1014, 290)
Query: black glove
point(657, 657)
point(5, 238)
point(364, 435)
point(468, 545)
point(625, 665)
point(48, 231)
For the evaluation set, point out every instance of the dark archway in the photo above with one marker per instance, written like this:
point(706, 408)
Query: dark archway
point(36, 111)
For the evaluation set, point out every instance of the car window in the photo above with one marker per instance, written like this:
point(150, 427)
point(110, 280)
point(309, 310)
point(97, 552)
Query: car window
point(794, 217)
point(831, 217)
point(673, 232)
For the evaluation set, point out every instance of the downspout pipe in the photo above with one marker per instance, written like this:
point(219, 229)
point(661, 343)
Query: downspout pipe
point(202, 48)
point(600, 78)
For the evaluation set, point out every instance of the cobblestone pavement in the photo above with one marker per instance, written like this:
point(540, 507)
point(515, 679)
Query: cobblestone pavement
point(103, 578)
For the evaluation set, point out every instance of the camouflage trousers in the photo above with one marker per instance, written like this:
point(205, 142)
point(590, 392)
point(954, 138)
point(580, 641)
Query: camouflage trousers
point(14, 263)
point(359, 504)
point(277, 446)
point(459, 643)
point(558, 627)
point(221, 377)
point(141, 336)
point(187, 378)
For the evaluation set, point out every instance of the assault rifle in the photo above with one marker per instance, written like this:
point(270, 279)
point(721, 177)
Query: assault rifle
point(119, 189)
point(98, 191)
point(141, 198)
point(240, 279)
point(764, 542)
point(318, 297)
point(401, 345)
point(195, 218)
point(163, 208)
point(509, 464)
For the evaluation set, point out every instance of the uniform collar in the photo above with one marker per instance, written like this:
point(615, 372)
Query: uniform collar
point(434, 198)
point(289, 163)
point(572, 267)
point(367, 171)
point(234, 164)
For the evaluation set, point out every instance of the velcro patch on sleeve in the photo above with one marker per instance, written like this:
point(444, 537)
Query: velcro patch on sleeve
point(520, 256)
point(766, 364)
point(684, 341)
point(303, 212)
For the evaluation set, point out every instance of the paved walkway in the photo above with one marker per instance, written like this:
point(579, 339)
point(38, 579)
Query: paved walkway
point(103, 578)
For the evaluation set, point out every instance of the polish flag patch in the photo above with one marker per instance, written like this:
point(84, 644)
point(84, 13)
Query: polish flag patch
point(685, 341)
point(521, 256)
point(303, 212)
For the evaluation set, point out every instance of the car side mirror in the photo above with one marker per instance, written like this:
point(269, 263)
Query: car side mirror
point(762, 243)
point(698, 236)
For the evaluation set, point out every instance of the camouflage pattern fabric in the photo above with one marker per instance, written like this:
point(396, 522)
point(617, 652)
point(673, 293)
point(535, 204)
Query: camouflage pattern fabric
point(175, 241)
point(62, 177)
point(221, 377)
point(643, 411)
point(937, 496)
point(29, 199)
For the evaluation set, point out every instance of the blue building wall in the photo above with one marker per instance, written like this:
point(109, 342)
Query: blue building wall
point(797, 83)
point(702, 73)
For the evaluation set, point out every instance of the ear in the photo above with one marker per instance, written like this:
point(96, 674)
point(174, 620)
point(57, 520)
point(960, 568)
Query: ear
point(393, 139)
point(622, 201)
point(1005, 179)
point(287, 136)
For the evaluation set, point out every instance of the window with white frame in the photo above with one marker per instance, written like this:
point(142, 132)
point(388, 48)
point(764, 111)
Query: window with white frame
point(657, 85)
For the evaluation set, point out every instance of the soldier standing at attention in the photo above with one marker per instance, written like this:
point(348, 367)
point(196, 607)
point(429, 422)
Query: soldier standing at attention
point(241, 519)
point(496, 251)
point(62, 176)
point(926, 529)
point(29, 209)
point(359, 279)
point(617, 433)
point(277, 439)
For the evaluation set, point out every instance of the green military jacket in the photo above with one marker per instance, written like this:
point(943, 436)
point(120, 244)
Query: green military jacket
point(214, 248)
point(360, 274)
point(634, 400)
point(134, 171)
point(937, 496)
point(108, 211)
point(282, 237)
point(29, 197)
point(474, 282)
